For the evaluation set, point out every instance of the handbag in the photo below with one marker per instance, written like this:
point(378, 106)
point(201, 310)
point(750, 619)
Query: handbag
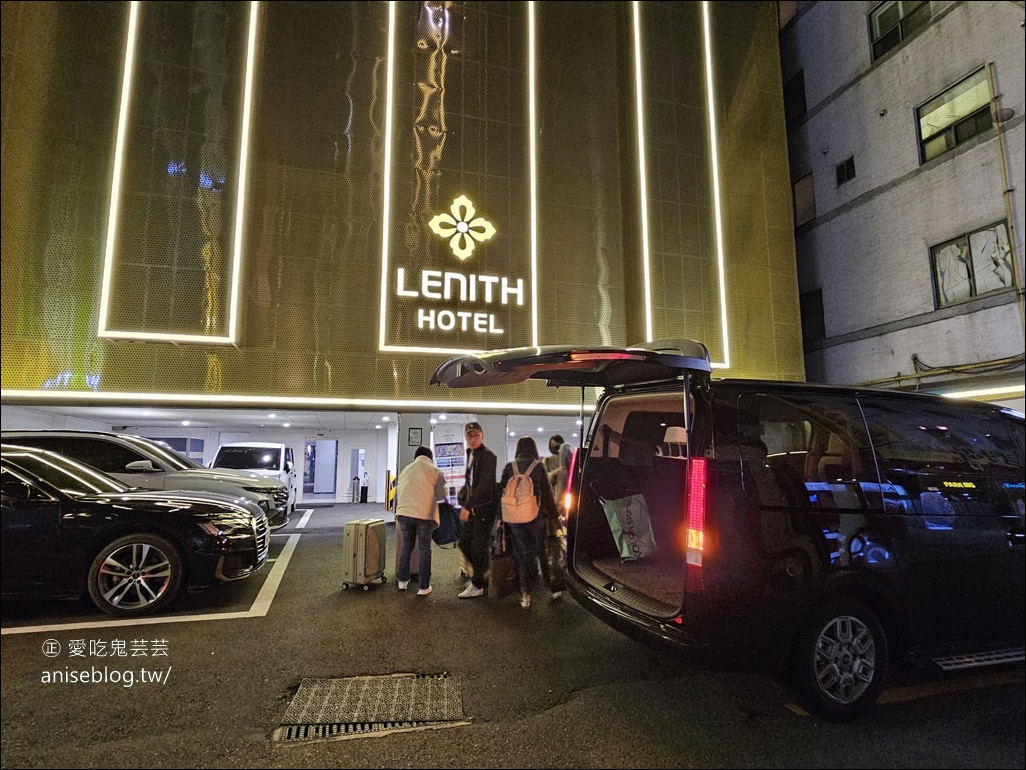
point(631, 525)
point(502, 565)
point(449, 525)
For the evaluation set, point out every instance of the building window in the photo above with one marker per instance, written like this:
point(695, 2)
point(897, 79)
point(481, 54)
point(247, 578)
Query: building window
point(894, 21)
point(954, 117)
point(786, 10)
point(813, 323)
point(794, 98)
point(804, 201)
point(971, 265)
point(845, 171)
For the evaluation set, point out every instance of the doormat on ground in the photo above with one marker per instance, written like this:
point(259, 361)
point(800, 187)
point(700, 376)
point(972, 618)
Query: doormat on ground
point(370, 706)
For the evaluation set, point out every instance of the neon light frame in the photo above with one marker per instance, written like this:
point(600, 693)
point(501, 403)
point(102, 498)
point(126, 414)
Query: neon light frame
point(715, 172)
point(104, 330)
point(386, 185)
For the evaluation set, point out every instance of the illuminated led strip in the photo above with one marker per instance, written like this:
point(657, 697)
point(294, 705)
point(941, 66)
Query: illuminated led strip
point(642, 169)
point(386, 176)
point(387, 194)
point(1011, 390)
point(533, 145)
point(88, 397)
point(715, 170)
point(104, 329)
point(714, 153)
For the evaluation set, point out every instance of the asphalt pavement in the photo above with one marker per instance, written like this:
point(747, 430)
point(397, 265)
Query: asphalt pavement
point(547, 687)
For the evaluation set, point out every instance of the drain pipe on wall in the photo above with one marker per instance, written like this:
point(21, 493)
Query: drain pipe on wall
point(1013, 243)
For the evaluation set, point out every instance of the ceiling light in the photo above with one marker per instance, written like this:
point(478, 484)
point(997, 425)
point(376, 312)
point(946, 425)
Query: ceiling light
point(441, 417)
point(434, 421)
point(186, 422)
point(377, 427)
point(384, 419)
point(580, 422)
point(286, 424)
point(512, 433)
point(540, 429)
point(272, 415)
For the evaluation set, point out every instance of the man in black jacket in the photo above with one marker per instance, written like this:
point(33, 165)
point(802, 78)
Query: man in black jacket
point(480, 504)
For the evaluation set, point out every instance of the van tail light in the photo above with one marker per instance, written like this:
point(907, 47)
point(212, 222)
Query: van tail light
point(568, 498)
point(697, 501)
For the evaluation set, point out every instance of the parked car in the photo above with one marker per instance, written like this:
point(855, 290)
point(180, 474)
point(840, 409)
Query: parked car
point(68, 530)
point(821, 531)
point(266, 458)
point(142, 462)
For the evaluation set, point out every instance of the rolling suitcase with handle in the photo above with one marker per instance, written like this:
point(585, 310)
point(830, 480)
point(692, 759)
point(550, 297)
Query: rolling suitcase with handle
point(363, 553)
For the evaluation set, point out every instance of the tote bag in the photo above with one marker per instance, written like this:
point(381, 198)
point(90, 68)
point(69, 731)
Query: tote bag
point(448, 529)
point(631, 525)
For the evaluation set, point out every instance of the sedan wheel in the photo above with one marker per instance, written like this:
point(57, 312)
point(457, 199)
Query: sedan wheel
point(841, 661)
point(135, 575)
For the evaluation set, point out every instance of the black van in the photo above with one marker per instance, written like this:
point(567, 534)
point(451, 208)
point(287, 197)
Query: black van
point(819, 530)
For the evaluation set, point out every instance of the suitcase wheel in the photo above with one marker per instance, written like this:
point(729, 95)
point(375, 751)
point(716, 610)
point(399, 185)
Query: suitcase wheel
point(345, 586)
point(366, 586)
point(384, 579)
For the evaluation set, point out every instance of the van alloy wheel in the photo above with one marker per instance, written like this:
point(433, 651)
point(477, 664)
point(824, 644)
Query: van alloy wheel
point(841, 661)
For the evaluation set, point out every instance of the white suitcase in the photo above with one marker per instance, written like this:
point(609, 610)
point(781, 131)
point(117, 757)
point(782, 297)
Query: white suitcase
point(363, 553)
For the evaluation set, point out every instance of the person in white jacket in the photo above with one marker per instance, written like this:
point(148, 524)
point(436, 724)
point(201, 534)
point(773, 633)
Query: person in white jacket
point(419, 488)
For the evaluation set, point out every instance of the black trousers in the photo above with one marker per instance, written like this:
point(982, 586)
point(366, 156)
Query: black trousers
point(474, 539)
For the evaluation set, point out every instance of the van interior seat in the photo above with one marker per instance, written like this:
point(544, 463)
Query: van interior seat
point(836, 462)
point(674, 444)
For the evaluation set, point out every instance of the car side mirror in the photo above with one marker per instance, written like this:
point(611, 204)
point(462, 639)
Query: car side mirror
point(141, 466)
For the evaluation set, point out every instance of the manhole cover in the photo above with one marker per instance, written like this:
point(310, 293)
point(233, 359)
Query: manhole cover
point(366, 706)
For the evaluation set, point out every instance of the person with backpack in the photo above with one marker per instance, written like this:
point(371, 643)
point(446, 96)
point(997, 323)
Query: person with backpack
point(527, 504)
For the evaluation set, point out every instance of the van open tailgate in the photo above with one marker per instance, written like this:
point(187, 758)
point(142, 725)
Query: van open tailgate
point(561, 366)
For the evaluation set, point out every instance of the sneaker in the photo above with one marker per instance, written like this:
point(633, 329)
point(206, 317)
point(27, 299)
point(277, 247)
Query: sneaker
point(471, 592)
point(556, 595)
point(525, 601)
point(424, 591)
point(403, 585)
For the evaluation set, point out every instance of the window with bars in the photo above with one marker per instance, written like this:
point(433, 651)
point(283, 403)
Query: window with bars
point(971, 265)
point(894, 21)
point(955, 116)
point(845, 171)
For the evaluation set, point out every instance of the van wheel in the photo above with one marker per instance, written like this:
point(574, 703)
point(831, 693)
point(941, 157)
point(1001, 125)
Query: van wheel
point(840, 661)
point(135, 575)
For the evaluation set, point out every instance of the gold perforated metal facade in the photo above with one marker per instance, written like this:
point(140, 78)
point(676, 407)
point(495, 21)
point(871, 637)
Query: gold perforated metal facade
point(266, 201)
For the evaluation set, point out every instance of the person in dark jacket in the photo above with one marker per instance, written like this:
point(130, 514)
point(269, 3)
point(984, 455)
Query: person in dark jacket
point(479, 505)
point(527, 537)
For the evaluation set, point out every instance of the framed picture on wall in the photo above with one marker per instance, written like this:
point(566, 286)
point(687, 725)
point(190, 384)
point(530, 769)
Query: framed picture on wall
point(415, 437)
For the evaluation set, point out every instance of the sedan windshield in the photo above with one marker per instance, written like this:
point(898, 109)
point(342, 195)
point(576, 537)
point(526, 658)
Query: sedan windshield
point(70, 477)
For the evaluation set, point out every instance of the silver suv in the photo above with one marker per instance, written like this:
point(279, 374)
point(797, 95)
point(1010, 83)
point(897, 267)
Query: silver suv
point(142, 462)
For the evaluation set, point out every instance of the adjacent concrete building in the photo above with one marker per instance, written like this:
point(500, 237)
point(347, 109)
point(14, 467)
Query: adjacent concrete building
point(906, 140)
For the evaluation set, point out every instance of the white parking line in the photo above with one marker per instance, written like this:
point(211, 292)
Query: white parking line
point(305, 519)
point(258, 609)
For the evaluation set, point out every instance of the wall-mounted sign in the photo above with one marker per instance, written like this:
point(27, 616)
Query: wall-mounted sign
point(459, 210)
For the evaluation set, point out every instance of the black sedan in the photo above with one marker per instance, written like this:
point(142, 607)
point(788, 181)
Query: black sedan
point(68, 529)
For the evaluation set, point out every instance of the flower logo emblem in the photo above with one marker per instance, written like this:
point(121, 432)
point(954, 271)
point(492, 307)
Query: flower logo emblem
point(462, 229)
